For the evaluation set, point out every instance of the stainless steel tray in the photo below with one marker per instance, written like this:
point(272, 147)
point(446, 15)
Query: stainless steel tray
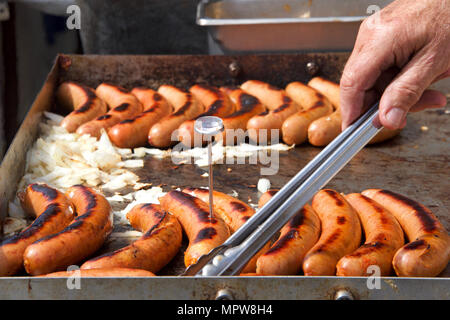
point(278, 26)
point(415, 163)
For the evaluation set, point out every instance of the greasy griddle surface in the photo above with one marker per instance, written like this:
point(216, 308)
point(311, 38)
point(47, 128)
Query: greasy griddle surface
point(416, 163)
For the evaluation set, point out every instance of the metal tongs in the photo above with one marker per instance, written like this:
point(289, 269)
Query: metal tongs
point(231, 257)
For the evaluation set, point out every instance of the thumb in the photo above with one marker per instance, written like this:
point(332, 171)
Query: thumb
point(405, 91)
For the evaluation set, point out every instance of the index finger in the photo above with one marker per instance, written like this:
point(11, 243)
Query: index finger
point(368, 60)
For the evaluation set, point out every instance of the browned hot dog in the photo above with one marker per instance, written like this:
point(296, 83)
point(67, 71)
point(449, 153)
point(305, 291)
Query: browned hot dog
point(215, 102)
point(53, 213)
point(204, 232)
point(158, 245)
point(341, 233)
point(123, 106)
point(85, 235)
point(286, 255)
point(428, 252)
point(384, 236)
point(82, 100)
point(328, 88)
point(280, 106)
point(97, 273)
point(323, 130)
point(295, 127)
point(231, 210)
point(133, 132)
point(305, 96)
point(186, 108)
point(235, 124)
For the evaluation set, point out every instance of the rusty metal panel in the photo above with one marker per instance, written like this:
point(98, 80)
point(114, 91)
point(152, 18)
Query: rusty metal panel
point(240, 288)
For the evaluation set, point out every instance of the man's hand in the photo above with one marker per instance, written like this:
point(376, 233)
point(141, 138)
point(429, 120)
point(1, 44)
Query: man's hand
point(398, 53)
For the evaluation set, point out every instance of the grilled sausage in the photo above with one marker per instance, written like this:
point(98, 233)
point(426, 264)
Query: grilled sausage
point(53, 213)
point(286, 255)
point(156, 248)
point(149, 98)
point(186, 108)
point(233, 212)
point(235, 124)
point(295, 127)
point(82, 100)
point(323, 130)
point(85, 235)
point(97, 273)
point(428, 252)
point(341, 233)
point(123, 106)
point(305, 96)
point(266, 196)
point(132, 133)
point(280, 105)
point(204, 232)
point(328, 88)
point(384, 236)
point(215, 102)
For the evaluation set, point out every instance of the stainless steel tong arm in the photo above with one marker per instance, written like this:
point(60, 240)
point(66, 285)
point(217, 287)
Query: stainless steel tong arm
point(233, 255)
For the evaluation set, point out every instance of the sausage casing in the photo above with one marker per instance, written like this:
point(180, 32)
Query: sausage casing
point(123, 105)
point(233, 212)
point(204, 232)
point(328, 88)
point(281, 106)
point(285, 257)
point(133, 132)
point(428, 252)
point(83, 101)
point(85, 235)
point(156, 248)
point(186, 108)
point(215, 102)
point(53, 213)
point(295, 127)
point(323, 130)
point(384, 236)
point(97, 273)
point(235, 124)
point(341, 233)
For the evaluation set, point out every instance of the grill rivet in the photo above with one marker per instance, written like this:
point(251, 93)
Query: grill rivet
point(343, 295)
point(224, 294)
point(235, 69)
point(312, 68)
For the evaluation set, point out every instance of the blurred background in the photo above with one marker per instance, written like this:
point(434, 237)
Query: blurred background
point(33, 32)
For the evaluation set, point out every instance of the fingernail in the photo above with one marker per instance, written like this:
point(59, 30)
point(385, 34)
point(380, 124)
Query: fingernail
point(395, 116)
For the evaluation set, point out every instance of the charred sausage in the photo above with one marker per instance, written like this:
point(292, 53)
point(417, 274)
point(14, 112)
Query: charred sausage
point(384, 236)
point(341, 233)
point(204, 232)
point(85, 235)
point(428, 251)
point(53, 213)
point(156, 248)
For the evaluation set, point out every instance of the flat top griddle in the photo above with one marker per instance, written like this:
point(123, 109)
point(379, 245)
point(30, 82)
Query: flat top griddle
point(416, 163)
